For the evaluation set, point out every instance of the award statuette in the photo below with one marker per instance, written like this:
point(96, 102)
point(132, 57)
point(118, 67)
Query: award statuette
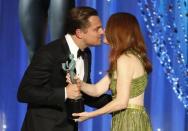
point(73, 106)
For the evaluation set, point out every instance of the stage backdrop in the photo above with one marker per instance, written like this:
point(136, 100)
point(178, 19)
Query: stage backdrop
point(166, 95)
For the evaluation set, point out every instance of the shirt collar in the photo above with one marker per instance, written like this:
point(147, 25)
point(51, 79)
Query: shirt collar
point(72, 45)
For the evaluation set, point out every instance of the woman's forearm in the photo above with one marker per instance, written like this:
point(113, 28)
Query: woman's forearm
point(97, 89)
point(89, 89)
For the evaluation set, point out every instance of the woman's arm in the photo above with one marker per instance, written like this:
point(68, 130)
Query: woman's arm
point(97, 89)
point(124, 77)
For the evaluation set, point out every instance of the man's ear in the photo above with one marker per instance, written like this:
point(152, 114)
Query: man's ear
point(79, 33)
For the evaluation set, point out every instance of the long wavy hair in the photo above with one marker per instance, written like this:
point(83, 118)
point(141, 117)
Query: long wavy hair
point(123, 34)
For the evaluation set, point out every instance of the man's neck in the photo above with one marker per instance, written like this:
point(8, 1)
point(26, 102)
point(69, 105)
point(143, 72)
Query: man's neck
point(79, 42)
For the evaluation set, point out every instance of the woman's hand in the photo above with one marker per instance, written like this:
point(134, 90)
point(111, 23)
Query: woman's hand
point(82, 116)
point(78, 81)
point(68, 78)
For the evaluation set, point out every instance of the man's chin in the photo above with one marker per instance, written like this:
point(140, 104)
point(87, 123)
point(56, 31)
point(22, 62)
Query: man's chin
point(95, 44)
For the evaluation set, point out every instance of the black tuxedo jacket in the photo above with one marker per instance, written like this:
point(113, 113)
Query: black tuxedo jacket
point(42, 87)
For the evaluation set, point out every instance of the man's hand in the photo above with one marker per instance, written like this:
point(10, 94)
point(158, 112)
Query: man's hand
point(73, 92)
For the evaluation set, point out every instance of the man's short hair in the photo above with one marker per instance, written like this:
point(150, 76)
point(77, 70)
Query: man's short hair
point(78, 18)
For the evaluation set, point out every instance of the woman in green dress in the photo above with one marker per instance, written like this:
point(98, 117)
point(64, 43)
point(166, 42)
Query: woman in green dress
point(127, 76)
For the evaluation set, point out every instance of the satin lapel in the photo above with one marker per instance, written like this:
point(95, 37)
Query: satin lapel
point(86, 64)
point(65, 51)
point(65, 48)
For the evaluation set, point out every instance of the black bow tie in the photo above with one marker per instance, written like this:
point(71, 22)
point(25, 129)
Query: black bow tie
point(80, 54)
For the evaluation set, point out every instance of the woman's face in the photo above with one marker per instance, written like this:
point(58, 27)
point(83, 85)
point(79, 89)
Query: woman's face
point(104, 39)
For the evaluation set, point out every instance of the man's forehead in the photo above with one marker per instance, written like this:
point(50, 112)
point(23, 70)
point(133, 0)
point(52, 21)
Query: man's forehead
point(94, 21)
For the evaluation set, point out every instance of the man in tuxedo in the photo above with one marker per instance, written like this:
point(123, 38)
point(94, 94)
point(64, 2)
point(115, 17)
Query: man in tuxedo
point(44, 85)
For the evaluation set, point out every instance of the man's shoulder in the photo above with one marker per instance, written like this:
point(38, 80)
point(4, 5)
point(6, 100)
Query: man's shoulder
point(53, 45)
point(56, 43)
point(52, 48)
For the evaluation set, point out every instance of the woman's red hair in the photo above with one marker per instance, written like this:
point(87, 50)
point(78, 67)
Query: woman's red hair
point(123, 34)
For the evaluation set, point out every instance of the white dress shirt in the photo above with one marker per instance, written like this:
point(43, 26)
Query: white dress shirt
point(79, 61)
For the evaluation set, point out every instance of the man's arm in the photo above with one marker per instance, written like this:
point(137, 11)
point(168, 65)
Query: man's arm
point(35, 86)
point(97, 102)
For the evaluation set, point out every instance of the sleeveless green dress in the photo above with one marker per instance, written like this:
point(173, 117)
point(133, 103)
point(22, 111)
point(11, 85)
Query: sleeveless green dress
point(134, 117)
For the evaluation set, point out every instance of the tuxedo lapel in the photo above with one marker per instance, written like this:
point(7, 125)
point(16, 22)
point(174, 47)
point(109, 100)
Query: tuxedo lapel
point(65, 48)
